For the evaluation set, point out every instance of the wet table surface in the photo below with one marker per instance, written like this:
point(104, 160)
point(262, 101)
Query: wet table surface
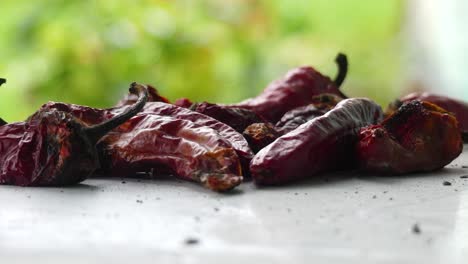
point(340, 218)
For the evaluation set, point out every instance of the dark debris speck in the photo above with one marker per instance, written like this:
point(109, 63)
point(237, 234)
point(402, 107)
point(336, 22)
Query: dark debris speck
point(124, 182)
point(464, 177)
point(191, 241)
point(139, 201)
point(374, 197)
point(416, 229)
point(447, 183)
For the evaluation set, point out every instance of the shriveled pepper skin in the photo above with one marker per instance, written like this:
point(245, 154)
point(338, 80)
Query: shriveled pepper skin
point(324, 143)
point(237, 141)
point(260, 135)
point(94, 115)
point(457, 107)
point(237, 118)
point(53, 148)
point(419, 136)
point(164, 143)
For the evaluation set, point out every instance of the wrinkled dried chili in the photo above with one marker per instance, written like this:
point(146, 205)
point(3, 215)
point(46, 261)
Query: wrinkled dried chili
point(457, 107)
point(324, 143)
point(419, 136)
point(53, 148)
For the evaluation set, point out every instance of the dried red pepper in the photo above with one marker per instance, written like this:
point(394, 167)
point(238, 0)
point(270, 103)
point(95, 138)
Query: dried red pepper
point(168, 145)
point(260, 135)
point(457, 107)
point(324, 143)
point(168, 139)
point(53, 148)
point(296, 89)
point(419, 136)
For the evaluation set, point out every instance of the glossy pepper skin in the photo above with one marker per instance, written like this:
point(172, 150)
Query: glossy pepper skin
point(457, 107)
point(324, 143)
point(53, 148)
point(167, 144)
point(419, 136)
point(295, 89)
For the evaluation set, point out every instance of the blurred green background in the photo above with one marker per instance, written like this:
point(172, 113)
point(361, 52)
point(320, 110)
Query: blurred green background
point(87, 52)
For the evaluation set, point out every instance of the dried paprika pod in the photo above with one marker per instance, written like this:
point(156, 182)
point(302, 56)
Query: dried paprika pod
point(457, 107)
point(419, 136)
point(323, 143)
point(295, 89)
point(53, 148)
point(168, 144)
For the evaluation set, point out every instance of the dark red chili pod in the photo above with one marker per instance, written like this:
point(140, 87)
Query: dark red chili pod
point(419, 136)
point(323, 143)
point(295, 89)
point(54, 148)
point(169, 145)
point(457, 107)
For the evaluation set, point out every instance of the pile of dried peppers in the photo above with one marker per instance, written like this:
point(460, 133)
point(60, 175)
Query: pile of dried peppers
point(299, 126)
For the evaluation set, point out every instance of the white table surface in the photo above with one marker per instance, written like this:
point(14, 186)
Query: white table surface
point(344, 218)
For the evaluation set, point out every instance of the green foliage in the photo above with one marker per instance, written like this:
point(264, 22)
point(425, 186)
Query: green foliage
point(87, 52)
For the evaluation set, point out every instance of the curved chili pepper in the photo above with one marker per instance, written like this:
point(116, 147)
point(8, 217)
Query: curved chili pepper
point(153, 96)
point(260, 135)
point(172, 145)
point(324, 143)
point(419, 136)
point(54, 148)
point(457, 107)
point(296, 89)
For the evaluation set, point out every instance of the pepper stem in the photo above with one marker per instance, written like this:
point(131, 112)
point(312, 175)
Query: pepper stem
point(96, 132)
point(342, 63)
point(2, 81)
